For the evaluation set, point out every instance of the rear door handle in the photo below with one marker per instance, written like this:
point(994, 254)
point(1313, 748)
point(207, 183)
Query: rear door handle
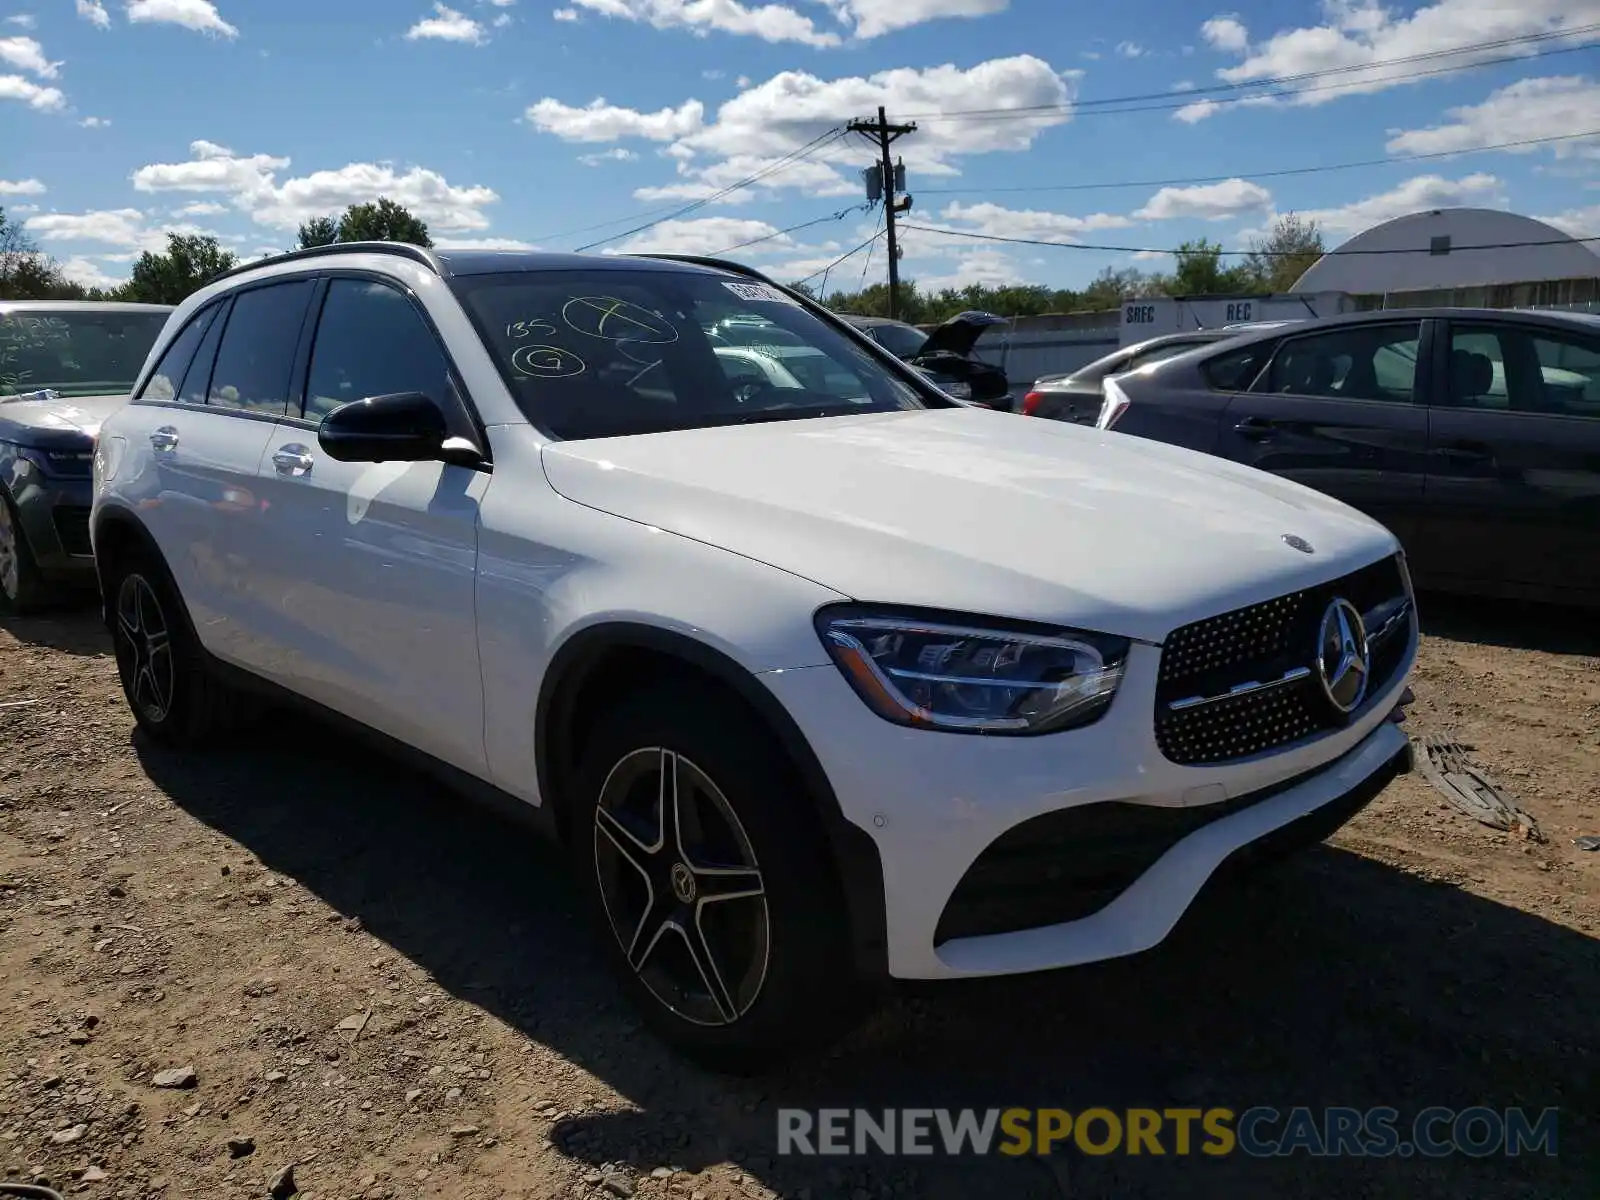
point(1255, 428)
point(165, 438)
point(292, 460)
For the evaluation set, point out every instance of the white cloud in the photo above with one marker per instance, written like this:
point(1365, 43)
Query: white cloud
point(1417, 194)
point(199, 15)
point(1529, 108)
point(598, 121)
point(1131, 50)
point(1209, 202)
point(1226, 33)
point(23, 21)
point(705, 235)
point(21, 187)
point(90, 274)
point(1360, 33)
point(1198, 111)
point(95, 122)
point(992, 268)
point(615, 154)
point(873, 18)
point(117, 227)
point(202, 208)
point(769, 22)
point(996, 221)
point(502, 21)
point(772, 22)
point(446, 25)
point(252, 183)
point(34, 95)
point(28, 55)
point(1579, 222)
point(95, 13)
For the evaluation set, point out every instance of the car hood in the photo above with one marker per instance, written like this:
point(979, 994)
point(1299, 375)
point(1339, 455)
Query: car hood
point(980, 512)
point(21, 420)
point(959, 334)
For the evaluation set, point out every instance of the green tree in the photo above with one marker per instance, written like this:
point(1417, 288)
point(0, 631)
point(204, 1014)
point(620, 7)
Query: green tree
point(1200, 272)
point(1277, 261)
point(191, 261)
point(384, 221)
point(1114, 285)
point(319, 231)
point(26, 272)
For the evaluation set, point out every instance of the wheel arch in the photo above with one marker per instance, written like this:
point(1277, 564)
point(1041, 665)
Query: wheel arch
point(579, 671)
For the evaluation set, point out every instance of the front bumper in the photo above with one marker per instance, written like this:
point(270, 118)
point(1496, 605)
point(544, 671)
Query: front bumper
point(54, 515)
point(935, 803)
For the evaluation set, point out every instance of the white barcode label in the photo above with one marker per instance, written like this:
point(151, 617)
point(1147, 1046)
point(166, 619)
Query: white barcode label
point(759, 293)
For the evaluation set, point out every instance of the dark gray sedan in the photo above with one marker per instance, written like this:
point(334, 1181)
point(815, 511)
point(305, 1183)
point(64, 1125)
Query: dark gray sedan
point(1474, 434)
point(64, 367)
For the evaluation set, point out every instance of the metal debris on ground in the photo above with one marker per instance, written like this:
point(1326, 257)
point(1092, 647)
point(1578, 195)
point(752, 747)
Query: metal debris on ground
point(1588, 841)
point(1444, 762)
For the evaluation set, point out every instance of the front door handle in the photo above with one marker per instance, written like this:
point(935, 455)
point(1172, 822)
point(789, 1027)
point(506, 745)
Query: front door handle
point(292, 460)
point(1464, 451)
point(1255, 428)
point(165, 438)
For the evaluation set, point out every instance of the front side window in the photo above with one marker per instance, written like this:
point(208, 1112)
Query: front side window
point(256, 356)
point(372, 342)
point(76, 352)
point(1360, 362)
point(1514, 369)
point(611, 352)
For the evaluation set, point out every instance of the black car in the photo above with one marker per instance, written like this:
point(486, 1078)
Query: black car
point(1473, 434)
point(64, 367)
point(1075, 397)
point(945, 355)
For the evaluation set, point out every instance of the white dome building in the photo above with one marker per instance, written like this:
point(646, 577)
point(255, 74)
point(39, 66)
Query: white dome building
point(1426, 259)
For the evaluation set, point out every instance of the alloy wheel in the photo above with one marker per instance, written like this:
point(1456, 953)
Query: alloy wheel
point(681, 887)
point(144, 648)
point(10, 555)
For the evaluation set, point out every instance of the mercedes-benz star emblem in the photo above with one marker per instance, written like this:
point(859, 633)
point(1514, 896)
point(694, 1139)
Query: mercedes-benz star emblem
point(1342, 656)
point(1295, 542)
point(683, 883)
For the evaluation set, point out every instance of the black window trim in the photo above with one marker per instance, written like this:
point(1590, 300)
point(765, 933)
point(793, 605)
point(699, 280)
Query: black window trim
point(302, 376)
point(224, 310)
point(1420, 383)
point(1445, 340)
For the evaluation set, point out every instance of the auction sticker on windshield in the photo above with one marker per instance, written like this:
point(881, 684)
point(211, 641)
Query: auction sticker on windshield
point(758, 293)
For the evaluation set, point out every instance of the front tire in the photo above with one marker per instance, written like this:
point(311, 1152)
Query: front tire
point(168, 684)
point(22, 590)
point(710, 881)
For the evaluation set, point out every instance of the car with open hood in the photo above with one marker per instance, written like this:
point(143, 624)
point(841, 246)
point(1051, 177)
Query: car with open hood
point(947, 354)
point(820, 677)
point(64, 367)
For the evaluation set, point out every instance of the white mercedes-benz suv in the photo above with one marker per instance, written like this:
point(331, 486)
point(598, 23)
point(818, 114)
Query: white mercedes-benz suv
point(822, 677)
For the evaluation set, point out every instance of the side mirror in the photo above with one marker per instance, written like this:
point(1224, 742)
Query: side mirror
point(403, 427)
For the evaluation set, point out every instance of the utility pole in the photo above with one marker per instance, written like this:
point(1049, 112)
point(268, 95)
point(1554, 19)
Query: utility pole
point(883, 135)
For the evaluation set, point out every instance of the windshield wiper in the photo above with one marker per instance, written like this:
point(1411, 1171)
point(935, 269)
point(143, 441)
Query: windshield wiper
point(765, 415)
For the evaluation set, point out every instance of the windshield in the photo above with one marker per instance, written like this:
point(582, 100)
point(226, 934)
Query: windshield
point(902, 341)
point(76, 352)
point(603, 353)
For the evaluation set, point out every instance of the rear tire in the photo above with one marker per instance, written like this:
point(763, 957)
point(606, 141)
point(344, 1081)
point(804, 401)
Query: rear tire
point(169, 685)
point(710, 881)
point(22, 589)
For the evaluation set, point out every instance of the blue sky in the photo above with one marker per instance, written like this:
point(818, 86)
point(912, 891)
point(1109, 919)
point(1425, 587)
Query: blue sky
point(520, 122)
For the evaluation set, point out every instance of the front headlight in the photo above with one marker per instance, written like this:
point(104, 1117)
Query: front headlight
point(973, 675)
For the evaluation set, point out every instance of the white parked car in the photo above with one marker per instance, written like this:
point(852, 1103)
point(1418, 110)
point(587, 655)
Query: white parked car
point(818, 687)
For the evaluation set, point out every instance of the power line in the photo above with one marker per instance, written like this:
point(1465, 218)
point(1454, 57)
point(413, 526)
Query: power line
point(781, 164)
point(1076, 111)
point(1188, 94)
point(1016, 241)
point(847, 254)
point(866, 264)
point(1275, 174)
point(777, 233)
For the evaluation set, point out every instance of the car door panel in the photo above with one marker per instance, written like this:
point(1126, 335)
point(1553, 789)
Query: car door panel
point(369, 569)
point(1513, 488)
point(1358, 436)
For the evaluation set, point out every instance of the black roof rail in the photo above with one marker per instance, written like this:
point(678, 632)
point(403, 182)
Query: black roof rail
point(403, 249)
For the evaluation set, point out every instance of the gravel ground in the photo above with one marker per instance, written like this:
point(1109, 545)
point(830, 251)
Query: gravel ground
point(293, 953)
